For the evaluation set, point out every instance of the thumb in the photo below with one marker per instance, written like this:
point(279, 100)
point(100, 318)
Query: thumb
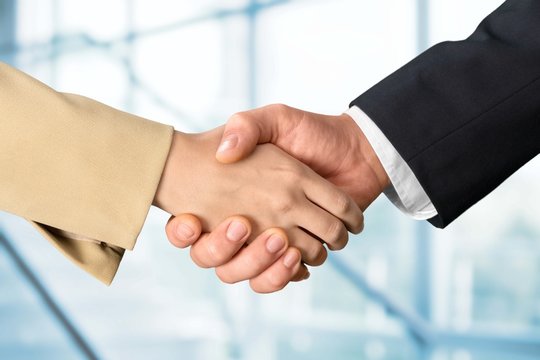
point(183, 230)
point(244, 131)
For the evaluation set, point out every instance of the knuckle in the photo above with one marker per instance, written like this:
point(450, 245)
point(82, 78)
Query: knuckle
point(301, 172)
point(225, 276)
point(252, 264)
point(256, 286)
point(317, 256)
point(334, 232)
point(215, 257)
point(292, 176)
point(291, 172)
point(239, 119)
point(194, 254)
point(359, 227)
point(279, 108)
point(284, 205)
point(343, 203)
point(300, 274)
point(277, 282)
point(341, 243)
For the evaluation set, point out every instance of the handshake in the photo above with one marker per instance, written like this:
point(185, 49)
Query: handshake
point(265, 196)
point(259, 198)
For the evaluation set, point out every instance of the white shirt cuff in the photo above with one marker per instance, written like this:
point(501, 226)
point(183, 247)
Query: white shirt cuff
point(405, 193)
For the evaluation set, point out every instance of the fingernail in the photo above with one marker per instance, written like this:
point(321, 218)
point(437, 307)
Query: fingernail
point(274, 243)
point(184, 231)
point(291, 259)
point(228, 143)
point(236, 231)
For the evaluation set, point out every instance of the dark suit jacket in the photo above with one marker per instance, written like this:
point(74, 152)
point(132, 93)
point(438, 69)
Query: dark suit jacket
point(465, 115)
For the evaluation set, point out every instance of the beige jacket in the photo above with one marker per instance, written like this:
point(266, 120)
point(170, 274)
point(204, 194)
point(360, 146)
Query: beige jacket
point(84, 174)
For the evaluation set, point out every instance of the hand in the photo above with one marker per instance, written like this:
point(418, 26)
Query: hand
point(268, 267)
point(287, 194)
point(333, 146)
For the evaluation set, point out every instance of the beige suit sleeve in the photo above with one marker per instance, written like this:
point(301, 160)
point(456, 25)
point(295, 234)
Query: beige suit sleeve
point(83, 173)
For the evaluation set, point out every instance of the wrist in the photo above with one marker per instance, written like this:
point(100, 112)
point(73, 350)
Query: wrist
point(373, 161)
point(165, 190)
point(371, 175)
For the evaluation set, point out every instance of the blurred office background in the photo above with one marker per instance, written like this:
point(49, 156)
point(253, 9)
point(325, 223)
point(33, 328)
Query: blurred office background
point(400, 290)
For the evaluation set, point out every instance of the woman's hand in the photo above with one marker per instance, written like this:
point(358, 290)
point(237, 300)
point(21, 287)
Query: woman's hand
point(270, 188)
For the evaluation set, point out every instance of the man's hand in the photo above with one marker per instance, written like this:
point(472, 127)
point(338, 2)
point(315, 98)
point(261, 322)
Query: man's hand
point(333, 146)
point(266, 262)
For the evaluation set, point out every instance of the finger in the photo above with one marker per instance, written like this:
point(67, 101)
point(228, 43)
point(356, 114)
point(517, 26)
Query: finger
point(220, 245)
point(325, 226)
point(277, 276)
point(245, 130)
point(240, 137)
point(335, 201)
point(183, 230)
point(302, 273)
point(253, 259)
point(312, 250)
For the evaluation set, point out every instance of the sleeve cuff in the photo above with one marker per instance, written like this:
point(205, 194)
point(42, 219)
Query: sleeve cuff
point(99, 259)
point(73, 164)
point(405, 193)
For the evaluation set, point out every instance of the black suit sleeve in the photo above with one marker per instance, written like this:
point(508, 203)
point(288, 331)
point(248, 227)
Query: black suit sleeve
point(465, 115)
